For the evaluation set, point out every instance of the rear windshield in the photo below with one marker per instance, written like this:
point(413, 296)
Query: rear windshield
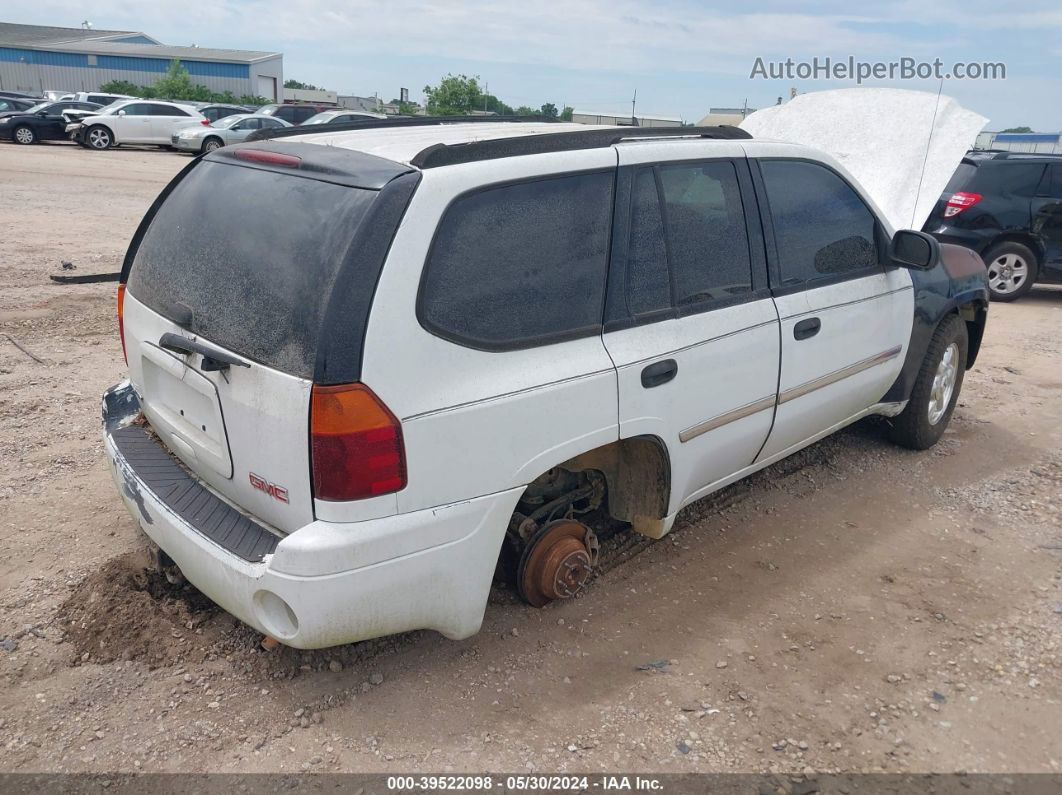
point(961, 177)
point(251, 256)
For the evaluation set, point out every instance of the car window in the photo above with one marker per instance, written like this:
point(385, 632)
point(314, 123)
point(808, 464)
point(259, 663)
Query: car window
point(167, 110)
point(102, 99)
point(688, 241)
point(247, 124)
point(302, 114)
point(136, 109)
point(1055, 183)
point(822, 228)
point(269, 124)
point(518, 265)
point(648, 280)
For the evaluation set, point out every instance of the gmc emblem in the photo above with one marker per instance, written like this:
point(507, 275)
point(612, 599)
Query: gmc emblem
point(272, 489)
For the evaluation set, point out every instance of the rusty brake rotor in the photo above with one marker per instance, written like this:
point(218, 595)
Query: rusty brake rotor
point(557, 562)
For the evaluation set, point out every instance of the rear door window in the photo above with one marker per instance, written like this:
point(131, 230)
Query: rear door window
point(822, 227)
point(247, 258)
point(520, 265)
point(689, 244)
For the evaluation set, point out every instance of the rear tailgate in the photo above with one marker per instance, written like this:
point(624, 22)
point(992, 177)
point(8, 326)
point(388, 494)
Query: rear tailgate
point(241, 430)
point(239, 261)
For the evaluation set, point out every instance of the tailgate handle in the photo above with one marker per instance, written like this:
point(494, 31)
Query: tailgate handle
point(212, 359)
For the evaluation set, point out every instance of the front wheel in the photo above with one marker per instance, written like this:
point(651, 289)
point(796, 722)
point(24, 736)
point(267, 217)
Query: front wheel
point(936, 390)
point(24, 135)
point(211, 144)
point(99, 137)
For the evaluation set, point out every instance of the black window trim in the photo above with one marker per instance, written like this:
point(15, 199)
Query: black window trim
point(777, 289)
point(617, 311)
point(525, 343)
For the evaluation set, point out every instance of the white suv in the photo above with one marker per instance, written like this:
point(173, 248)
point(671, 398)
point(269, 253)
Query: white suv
point(365, 365)
point(137, 121)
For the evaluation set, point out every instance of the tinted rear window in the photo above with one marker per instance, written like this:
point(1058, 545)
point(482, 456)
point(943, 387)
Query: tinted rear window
point(253, 254)
point(521, 265)
point(1007, 178)
point(962, 176)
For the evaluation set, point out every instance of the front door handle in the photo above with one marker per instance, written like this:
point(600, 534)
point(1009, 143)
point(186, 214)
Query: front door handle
point(807, 328)
point(659, 373)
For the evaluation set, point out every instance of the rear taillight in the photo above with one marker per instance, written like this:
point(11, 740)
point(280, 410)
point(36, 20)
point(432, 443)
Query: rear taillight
point(961, 201)
point(356, 446)
point(205, 122)
point(121, 319)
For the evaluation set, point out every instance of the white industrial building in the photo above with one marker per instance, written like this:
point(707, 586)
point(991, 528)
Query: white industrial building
point(586, 117)
point(35, 59)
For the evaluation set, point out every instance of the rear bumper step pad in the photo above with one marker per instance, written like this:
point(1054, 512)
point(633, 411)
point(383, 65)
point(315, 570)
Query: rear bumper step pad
point(199, 507)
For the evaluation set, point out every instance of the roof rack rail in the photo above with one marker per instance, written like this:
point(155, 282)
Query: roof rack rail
point(452, 154)
point(398, 121)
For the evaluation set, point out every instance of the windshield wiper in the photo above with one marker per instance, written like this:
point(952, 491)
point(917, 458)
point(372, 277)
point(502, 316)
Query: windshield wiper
point(212, 359)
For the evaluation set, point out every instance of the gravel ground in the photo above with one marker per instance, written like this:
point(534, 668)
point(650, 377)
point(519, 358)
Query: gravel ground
point(857, 607)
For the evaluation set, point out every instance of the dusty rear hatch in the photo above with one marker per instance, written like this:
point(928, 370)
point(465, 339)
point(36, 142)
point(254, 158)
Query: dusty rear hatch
point(229, 285)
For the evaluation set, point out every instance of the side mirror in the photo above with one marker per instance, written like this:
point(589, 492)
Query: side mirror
point(121, 113)
point(917, 250)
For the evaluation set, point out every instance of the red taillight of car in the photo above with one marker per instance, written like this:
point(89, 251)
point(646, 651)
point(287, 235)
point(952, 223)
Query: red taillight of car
point(356, 448)
point(272, 158)
point(961, 201)
point(121, 319)
point(205, 122)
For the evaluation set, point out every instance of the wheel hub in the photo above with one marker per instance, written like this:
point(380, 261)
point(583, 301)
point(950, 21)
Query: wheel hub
point(557, 563)
point(943, 384)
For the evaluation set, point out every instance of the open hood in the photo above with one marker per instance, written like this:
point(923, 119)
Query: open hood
point(902, 146)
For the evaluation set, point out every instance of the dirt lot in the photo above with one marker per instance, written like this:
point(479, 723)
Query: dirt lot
point(857, 607)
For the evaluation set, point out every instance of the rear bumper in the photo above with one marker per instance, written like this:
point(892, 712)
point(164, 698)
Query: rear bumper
point(330, 583)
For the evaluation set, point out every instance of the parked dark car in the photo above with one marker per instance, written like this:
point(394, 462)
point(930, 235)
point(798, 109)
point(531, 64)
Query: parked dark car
point(10, 104)
point(1006, 206)
point(293, 113)
point(42, 122)
point(213, 112)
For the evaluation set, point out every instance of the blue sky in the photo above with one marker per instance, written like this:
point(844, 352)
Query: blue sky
point(682, 56)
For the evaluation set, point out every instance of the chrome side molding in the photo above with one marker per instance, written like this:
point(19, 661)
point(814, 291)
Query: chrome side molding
point(839, 375)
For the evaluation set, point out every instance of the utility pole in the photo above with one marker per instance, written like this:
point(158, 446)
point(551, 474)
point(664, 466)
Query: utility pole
point(634, 103)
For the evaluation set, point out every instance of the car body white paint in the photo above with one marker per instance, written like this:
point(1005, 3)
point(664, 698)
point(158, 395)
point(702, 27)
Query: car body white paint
point(479, 426)
point(127, 128)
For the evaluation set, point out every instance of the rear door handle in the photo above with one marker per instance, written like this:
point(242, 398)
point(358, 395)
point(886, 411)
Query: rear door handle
point(807, 328)
point(659, 373)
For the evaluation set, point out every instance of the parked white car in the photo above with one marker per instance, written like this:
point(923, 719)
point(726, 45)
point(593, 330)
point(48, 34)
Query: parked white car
point(364, 365)
point(93, 96)
point(138, 121)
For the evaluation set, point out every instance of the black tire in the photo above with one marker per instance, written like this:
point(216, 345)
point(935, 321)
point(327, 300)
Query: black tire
point(1014, 256)
point(914, 427)
point(24, 134)
point(99, 137)
point(211, 144)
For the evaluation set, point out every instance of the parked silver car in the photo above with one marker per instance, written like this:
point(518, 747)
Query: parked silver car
point(229, 130)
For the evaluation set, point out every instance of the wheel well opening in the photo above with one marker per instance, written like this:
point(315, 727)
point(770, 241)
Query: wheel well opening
point(1031, 242)
point(974, 314)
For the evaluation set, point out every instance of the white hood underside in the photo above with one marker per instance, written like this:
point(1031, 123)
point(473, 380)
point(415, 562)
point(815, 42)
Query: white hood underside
point(902, 146)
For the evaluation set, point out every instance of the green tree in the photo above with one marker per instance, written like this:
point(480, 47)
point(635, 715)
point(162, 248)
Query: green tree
point(176, 84)
point(456, 95)
point(567, 113)
point(525, 110)
point(122, 87)
point(1017, 130)
point(549, 110)
point(300, 85)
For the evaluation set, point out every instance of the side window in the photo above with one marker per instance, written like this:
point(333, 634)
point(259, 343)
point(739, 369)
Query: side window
point(269, 124)
point(247, 124)
point(522, 264)
point(689, 243)
point(648, 280)
point(138, 109)
point(212, 114)
point(167, 110)
point(708, 242)
point(302, 114)
point(821, 226)
point(1054, 189)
